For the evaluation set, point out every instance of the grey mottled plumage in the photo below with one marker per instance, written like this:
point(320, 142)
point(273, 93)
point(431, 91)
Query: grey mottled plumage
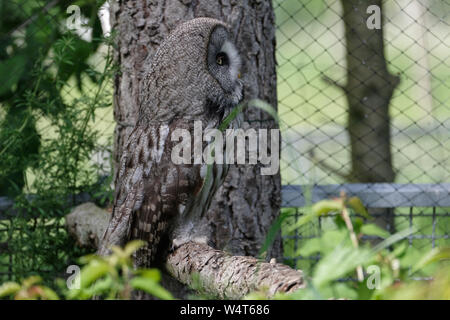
point(193, 76)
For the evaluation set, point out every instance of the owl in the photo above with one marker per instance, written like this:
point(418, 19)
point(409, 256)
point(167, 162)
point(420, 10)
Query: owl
point(194, 76)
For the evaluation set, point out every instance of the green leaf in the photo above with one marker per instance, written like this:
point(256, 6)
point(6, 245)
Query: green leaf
point(99, 287)
point(358, 207)
point(357, 224)
point(93, 271)
point(88, 258)
point(341, 261)
point(132, 246)
point(325, 207)
point(152, 287)
point(374, 230)
point(9, 288)
point(436, 254)
point(233, 114)
point(393, 239)
point(308, 217)
point(153, 274)
point(28, 282)
point(400, 250)
point(10, 72)
point(257, 103)
point(324, 244)
point(273, 231)
point(49, 294)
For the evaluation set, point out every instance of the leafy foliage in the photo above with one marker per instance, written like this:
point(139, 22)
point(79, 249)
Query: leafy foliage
point(111, 277)
point(37, 57)
point(389, 265)
point(46, 132)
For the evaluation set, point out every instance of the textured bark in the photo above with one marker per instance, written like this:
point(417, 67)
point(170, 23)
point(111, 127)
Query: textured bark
point(219, 273)
point(230, 277)
point(368, 90)
point(248, 202)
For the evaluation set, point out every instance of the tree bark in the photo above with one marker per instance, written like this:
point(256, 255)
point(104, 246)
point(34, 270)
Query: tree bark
point(230, 277)
point(247, 204)
point(368, 90)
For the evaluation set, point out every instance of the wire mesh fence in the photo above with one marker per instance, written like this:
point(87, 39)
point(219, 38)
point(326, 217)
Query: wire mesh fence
point(317, 44)
point(318, 98)
point(423, 207)
point(312, 49)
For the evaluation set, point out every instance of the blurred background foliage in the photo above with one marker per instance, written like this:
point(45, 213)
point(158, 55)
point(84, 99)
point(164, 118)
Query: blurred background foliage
point(55, 84)
point(343, 261)
point(39, 57)
point(314, 113)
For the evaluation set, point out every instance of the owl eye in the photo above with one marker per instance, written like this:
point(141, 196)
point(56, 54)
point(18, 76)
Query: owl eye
point(222, 59)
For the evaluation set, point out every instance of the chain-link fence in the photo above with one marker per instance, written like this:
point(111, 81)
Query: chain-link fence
point(321, 46)
point(331, 82)
point(311, 49)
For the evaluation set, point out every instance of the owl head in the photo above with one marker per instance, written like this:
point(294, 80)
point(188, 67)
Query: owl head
point(195, 73)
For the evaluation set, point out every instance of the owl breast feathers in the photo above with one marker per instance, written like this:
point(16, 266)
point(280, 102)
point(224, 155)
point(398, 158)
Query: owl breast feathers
point(194, 76)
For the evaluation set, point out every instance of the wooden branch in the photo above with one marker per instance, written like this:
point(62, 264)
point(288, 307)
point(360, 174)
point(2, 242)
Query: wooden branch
point(227, 276)
point(219, 273)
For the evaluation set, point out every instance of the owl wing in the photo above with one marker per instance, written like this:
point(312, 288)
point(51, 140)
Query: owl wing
point(150, 190)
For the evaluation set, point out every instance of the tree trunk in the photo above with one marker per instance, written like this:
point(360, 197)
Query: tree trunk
point(369, 90)
point(247, 203)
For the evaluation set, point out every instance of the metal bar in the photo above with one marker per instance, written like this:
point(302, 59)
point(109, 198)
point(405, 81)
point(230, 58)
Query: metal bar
point(367, 237)
point(7, 210)
point(374, 195)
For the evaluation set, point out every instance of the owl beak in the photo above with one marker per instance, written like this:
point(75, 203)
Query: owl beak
point(239, 75)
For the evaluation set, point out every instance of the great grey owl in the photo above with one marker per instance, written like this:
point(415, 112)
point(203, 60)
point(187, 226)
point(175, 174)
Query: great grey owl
point(194, 75)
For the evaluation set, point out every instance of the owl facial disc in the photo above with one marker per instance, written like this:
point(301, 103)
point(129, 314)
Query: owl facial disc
point(224, 64)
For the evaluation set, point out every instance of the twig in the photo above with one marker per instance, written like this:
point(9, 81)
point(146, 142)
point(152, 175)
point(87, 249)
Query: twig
point(326, 167)
point(333, 82)
point(348, 223)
